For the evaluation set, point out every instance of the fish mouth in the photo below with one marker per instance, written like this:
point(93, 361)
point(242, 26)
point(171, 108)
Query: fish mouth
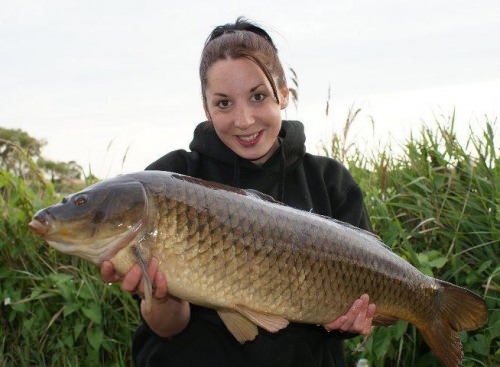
point(38, 227)
point(96, 250)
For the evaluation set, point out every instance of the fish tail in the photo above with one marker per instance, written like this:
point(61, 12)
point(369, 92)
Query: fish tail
point(457, 309)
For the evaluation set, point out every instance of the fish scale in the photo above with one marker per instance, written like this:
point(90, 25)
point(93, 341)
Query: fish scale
point(255, 261)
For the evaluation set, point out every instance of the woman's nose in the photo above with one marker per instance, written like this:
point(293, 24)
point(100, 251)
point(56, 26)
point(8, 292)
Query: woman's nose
point(243, 117)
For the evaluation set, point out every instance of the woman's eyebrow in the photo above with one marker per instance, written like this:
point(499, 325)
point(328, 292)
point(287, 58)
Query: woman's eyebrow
point(256, 87)
point(220, 94)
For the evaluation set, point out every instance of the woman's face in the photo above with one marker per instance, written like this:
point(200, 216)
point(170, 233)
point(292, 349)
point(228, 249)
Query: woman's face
point(242, 108)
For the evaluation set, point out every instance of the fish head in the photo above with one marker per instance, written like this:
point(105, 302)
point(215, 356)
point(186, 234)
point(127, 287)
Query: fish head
point(96, 222)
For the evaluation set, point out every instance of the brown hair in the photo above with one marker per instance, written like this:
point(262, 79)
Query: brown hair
point(242, 39)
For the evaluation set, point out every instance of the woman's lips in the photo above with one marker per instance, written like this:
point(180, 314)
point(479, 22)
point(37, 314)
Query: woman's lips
point(249, 140)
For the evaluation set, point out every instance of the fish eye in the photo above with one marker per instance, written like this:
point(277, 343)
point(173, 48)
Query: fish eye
point(80, 200)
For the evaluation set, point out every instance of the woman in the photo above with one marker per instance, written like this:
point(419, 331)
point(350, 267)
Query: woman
point(244, 143)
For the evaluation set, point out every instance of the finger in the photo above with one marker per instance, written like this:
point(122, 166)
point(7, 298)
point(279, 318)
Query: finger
point(161, 285)
point(345, 322)
point(360, 322)
point(335, 325)
point(370, 313)
point(158, 280)
point(152, 268)
point(108, 273)
point(364, 320)
point(132, 280)
point(353, 314)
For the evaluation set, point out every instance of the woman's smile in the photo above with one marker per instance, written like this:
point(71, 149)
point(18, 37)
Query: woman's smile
point(249, 140)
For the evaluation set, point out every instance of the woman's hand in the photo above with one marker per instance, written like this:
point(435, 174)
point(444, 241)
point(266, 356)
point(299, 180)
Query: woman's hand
point(168, 315)
point(132, 281)
point(357, 320)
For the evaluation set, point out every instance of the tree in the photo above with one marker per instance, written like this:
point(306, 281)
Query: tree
point(13, 144)
point(19, 151)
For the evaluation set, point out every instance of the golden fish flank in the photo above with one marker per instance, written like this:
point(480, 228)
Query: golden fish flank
point(256, 261)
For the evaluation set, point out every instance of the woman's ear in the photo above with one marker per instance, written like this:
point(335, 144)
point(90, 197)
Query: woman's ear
point(284, 94)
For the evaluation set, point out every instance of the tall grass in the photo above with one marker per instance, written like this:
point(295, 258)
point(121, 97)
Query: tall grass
point(437, 204)
point(55, 310)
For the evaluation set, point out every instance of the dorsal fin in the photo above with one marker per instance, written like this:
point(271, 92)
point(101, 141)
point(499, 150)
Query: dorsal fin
point(259, 195)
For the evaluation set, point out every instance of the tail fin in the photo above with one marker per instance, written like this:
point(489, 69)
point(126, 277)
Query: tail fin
point(457, 309)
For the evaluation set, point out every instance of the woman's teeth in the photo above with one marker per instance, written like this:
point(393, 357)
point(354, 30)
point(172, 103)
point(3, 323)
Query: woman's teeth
point(248, 137)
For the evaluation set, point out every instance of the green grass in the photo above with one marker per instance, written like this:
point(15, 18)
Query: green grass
point(438, 205)
point(55, 310)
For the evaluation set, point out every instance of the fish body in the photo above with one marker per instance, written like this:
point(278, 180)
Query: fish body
point(254, 260)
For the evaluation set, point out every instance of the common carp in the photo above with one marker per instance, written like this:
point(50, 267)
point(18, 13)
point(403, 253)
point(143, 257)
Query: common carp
point(254, 260)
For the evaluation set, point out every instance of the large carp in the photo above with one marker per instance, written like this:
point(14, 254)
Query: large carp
point(254, 260)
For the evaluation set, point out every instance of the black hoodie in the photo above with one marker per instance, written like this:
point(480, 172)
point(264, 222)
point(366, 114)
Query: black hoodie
point(304, 181)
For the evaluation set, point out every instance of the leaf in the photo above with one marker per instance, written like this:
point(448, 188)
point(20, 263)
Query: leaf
point(69, 308)
point(479, 344)
point(77, 330)
point(95, 337)
point(93, 313)
point(400, 329)
point(438, 263)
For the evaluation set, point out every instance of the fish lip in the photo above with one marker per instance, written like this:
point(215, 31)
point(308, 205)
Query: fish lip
point(38, 227)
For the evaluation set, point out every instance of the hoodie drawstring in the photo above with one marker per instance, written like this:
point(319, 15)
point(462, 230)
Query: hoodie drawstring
point(236, 172)
point(281, 193)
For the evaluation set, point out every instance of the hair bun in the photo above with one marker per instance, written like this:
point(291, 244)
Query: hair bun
point(241, 24)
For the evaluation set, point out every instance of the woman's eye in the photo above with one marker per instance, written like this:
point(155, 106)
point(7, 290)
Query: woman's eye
point(258, 97)
point(223, 104)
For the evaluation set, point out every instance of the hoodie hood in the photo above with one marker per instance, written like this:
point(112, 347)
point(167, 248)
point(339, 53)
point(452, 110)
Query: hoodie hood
point(291, 136)
point(287, 156)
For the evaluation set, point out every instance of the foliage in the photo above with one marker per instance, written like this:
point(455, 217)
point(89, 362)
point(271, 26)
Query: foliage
point(437, 205)
point(54, 309)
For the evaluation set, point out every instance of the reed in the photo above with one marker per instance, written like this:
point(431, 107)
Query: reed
point(438, 205)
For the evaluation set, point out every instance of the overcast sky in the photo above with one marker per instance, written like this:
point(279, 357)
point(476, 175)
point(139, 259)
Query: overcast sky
point(103, 80)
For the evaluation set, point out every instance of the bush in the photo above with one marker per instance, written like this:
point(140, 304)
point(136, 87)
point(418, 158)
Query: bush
point(438, 206)
point(55, 310)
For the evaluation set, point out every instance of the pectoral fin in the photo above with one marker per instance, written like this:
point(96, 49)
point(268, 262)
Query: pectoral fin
point(242, 322)
point(146, 281)
point(241, 328)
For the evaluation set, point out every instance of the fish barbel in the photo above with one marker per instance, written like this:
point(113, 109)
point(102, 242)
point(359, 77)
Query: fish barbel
point(254, 260)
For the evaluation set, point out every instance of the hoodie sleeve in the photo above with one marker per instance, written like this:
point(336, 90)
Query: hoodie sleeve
point(334, 191)
point(346, 197)
point(352, 209)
